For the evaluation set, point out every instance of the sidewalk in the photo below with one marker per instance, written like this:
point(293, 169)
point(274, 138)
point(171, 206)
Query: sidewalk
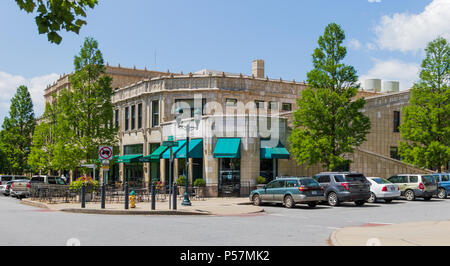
point(209, 206)
point(407, 234)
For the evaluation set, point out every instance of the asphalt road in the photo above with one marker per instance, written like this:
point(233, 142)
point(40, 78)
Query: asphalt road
point(25, 225)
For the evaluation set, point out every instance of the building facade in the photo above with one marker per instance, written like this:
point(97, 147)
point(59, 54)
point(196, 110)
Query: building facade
point(240, 132)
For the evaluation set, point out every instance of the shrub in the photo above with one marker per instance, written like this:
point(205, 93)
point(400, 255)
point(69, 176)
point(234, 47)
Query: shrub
point(181, 181)
point(200, 182)
point(261, 180)
point(89, 183)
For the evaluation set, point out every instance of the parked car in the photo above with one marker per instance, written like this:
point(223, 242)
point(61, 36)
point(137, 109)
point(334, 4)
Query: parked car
point(48, 180)
point(6, 188)
point(381, 188)
point(414, 186)
point(289, 191)
point(443, 180)
point(4, 179)
point(344, 186)
point(20, 188)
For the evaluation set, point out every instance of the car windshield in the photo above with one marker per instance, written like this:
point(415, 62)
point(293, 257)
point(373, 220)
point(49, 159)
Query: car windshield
point(355, 178)
point(429, 179)
point(60, 181)
point(309, 182)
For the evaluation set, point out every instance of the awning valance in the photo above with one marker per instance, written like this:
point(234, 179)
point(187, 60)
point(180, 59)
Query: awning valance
point(228, 148)
point(129, 158)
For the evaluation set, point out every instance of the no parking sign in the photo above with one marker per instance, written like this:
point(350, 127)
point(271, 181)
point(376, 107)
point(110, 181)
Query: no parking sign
point(105, 153)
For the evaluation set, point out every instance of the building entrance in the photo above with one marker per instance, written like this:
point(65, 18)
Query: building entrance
point(230, 177)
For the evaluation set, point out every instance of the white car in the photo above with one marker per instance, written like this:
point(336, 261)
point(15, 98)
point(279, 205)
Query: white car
point(380, 188)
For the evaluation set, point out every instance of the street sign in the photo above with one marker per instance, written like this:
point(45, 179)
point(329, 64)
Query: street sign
point(105, 162)
point(105, 167)
point(89, 165)
point(105, 153)
point(170, 143)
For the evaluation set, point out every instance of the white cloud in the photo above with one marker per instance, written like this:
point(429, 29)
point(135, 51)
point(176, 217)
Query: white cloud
point(371, 46)
point(412, 32)
point(36, 87)
point(354, 44)
point(393, 70)
point(374, 1)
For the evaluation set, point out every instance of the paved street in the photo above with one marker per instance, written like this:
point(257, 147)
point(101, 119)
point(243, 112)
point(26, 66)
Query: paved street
point(26, 225)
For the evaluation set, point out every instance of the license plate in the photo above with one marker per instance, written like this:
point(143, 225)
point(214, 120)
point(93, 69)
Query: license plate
point(315, 192)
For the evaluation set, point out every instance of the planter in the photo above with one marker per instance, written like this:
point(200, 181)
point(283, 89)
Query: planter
point(88, 197)
point(199, 192)
point(260, 186)
point(181, 190)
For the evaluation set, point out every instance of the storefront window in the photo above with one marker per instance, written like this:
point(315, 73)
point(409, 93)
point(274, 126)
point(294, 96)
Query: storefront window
point(268, 169)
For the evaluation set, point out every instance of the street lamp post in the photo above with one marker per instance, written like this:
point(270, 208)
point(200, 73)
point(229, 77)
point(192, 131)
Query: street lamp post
point(197, 117)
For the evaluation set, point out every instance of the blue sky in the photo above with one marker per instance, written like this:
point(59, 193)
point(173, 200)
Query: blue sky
point(385, 38)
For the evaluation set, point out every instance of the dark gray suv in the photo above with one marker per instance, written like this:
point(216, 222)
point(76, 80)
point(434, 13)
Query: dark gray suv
point(344, 186)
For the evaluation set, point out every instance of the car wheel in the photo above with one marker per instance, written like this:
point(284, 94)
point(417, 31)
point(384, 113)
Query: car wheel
point(372, 198)
point(256, 200)
point(409, 195)
point(312, 204)
point(427, 198)
point(388, 200)
point(333, 199)
point(289, 201)
point(442, 194)
point(360, 202)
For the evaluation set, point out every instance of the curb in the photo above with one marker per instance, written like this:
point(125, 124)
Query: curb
point(332, 241)
point(34, 204)
point(131, 212)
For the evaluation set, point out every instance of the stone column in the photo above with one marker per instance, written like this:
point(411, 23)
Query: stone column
point(162, 169)
point(250, 164)
point(191, 171)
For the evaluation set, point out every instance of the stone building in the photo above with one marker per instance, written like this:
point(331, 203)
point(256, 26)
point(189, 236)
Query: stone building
point(242, 133)
point(241, 130)
point(121, 77)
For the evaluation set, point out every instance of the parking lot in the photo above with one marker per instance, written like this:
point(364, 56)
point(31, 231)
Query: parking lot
point(22, 225)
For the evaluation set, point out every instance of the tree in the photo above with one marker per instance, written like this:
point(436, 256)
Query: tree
point(328, 123)
point(42, 152)
point(85, 111)
point(56, 15)
point(17, 131)
point(426, 126)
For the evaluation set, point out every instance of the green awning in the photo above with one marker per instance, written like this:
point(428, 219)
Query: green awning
point(228, 148)
point(195, 150)
point(278, 152)
point(166, 155)
point(155, 156)
point(129, 158)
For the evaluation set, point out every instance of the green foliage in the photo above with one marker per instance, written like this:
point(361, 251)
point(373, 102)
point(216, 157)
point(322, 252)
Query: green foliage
point(261, 180)
point(56, 15)
point(181, 181)
point(199, 182)
point(85, 112)
point(41, 153)
point(17, 130)
point(328, 122)
point(426, 126)
point(89, 183)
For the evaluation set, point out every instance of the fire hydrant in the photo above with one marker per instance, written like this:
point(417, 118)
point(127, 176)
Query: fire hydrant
point(132, 199)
